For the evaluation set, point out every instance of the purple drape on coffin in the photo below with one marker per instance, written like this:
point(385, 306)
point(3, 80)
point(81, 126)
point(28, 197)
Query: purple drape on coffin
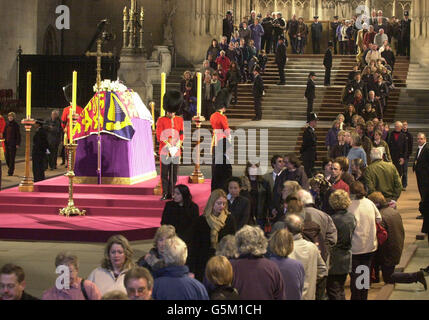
point(119, 158)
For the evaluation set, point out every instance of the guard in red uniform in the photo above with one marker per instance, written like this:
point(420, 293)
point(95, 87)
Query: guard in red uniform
point(65, 116)
point(221, 167)
point(169, 133)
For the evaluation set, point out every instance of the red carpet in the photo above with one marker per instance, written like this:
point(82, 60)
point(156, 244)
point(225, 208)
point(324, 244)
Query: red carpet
point(132, 211)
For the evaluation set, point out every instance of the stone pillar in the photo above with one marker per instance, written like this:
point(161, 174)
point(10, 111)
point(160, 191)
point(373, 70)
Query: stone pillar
point(312, 9)
point(419, 32)
point(394, 8)
point(293, 7)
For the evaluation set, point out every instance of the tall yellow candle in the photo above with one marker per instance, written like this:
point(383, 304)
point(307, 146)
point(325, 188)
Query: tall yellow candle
point(152, 106)
point(73, 108)
point(28, 95)
point(163, 90)
point(199, 93)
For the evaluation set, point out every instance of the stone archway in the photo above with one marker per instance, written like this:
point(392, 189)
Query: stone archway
point(50, 45)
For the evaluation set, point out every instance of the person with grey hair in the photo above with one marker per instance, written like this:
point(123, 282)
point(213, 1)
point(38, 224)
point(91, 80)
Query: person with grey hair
point(173, 281)
point(308, 254)
point(252, 265)
point(328, 231)
point(227, 247)
point(72, 287)
point(382, 176)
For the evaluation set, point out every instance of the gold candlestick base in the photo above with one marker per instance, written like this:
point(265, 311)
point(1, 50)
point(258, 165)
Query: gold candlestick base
point(197, 176)
point(27, 183)
point(71, 210)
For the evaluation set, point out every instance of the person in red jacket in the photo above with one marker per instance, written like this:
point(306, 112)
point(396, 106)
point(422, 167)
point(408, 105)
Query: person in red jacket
point(169, 133)
point(2, 158)
point(65, 120)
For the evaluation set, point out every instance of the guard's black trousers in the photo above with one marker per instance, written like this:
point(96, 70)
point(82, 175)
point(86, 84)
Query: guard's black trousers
point(169, 169)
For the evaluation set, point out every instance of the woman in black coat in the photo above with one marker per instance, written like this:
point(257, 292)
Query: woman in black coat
point(208, 230)
point(181, 212)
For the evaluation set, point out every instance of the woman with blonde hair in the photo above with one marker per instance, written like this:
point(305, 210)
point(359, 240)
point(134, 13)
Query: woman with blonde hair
point(153, 259)
point(280, 246)
point(116, 262)
point(215, 223)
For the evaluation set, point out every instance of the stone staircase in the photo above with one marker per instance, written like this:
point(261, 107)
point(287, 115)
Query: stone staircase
point(418, 77)
point(284, 107)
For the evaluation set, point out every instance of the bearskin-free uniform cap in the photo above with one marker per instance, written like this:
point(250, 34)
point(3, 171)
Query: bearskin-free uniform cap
point(223, 99)
point(173, 100)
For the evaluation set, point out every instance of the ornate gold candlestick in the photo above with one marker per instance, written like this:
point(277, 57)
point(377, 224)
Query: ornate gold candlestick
point(197, 176)
point(27, 183)
point(71, 210)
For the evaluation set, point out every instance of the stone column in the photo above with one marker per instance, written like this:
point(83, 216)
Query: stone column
point(394, 8)
point(293, 7)
point(312, 9)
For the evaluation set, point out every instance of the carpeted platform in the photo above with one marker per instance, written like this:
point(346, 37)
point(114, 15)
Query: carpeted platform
point(132, 211)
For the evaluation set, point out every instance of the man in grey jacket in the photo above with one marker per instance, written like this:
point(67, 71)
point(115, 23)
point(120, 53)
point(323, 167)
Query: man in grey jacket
point(308, 254)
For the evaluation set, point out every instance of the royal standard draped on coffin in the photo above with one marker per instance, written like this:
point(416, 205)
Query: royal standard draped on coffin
point(126, 139)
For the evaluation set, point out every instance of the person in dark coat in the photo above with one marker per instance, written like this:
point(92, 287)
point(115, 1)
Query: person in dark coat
point(232, 79)
point(12, 141)
point(341, 253)
point(334, 27)
point(267, 38)
point(281, 58)
point(327, 62)
point(173, 281)
point(398, 146)
point(238, 205)
point(228, 26)
point(258, 92)
point(279, 25)
point(12, 280)
point(260, 194)
point(316, 34)
point(309, 144)
point(208, 92)
point(389, 253)
point(215, 223)
point(219, 274)
point(39, 152)
point(310, 94)
point(181, 213)
point(410, 139)
point(421, 168)
point(405, 35)
point(53, 126)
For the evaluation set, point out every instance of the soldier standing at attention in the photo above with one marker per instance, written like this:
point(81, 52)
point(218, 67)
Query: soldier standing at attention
point(316, 34)
point(169, 132)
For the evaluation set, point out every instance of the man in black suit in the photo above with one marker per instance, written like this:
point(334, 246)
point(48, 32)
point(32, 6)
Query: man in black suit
point(333, 34)
point(228, 26)
point(421, 168)
point(327, 62)
point(316, 34)
point(405, 35)
point(398, 147)
point(310, 93)
point(281, 59)
point(309, 145)
point(258, 92)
